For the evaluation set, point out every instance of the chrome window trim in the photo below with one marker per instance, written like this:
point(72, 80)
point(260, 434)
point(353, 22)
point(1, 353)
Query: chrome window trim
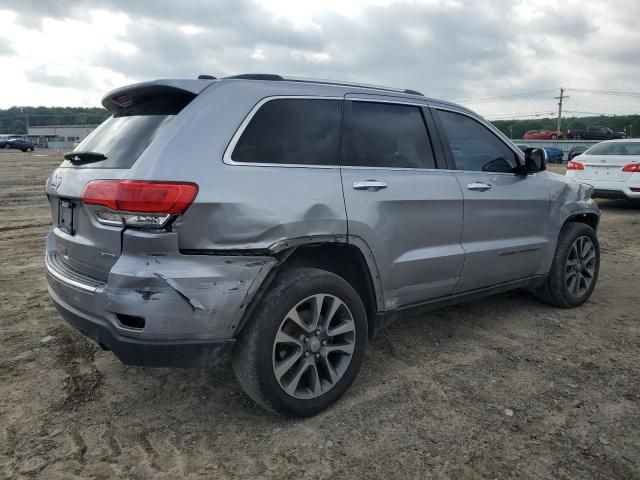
point(226, 157)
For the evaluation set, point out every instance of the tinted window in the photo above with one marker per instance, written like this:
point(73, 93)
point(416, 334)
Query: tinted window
point(475, 147)
point(292, 131)
point(615, 148)
point(123, 137)
point(386, 135)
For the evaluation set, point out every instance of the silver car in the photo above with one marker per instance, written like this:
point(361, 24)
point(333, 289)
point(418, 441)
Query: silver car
point(279, 223)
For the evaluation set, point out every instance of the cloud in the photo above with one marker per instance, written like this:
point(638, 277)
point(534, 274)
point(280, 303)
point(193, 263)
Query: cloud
point(447, 48)
point(5, 47)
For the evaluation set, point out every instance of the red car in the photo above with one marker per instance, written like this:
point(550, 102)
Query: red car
point(543, 135)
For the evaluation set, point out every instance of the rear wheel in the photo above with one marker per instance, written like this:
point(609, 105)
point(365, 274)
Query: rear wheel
point(553, 137)
point(305, 344)
point(575, 267)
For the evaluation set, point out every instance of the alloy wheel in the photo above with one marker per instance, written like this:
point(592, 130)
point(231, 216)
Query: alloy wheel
point(314, 346)
point(580, 266)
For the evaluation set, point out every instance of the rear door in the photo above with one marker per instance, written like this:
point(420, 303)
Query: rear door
point(506, 214)
point(407, 211)
point(81, 244)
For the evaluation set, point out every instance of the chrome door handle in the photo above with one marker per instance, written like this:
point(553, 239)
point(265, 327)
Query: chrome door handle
point(479, 186)
point(370, 185)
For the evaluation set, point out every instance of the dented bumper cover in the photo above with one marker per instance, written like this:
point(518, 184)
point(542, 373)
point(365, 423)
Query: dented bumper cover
point(191, 304)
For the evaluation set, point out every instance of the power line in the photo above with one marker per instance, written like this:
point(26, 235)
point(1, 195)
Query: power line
point(605, 92)
point(507, 116)
point(506, 97)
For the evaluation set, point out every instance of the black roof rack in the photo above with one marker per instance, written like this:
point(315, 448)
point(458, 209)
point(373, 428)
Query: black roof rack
point(257, 76)
point(271, 76)
point(206, 77)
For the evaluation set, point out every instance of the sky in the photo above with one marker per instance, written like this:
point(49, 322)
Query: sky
point(71, 52)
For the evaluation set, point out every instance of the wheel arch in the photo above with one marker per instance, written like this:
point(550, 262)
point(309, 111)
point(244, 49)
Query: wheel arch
point(591, 219)
point(353, 261)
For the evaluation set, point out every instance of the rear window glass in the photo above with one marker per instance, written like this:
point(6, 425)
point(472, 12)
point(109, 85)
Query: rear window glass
point(123, 137)
point(622, 148)
point(292, 131)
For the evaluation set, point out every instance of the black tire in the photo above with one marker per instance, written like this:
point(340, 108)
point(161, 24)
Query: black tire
point(24, 149)
point(253, 354)
point(555, 290)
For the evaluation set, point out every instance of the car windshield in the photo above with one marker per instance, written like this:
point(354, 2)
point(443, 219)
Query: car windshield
point(615, 149)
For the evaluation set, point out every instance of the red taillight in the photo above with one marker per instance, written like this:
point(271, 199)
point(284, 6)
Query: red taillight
point(632, 167)
point(573, 165)
point(171, 198)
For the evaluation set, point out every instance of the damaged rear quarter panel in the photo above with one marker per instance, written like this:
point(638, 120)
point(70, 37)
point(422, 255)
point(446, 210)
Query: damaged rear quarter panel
point(182, 296)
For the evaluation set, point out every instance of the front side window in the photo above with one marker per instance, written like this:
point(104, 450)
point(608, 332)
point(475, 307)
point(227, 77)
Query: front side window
point(387, 135)
point(292, 131)
point(474, 147)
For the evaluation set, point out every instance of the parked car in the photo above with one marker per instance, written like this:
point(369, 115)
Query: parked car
point(575, 151)
point(594, 133)
point(611, 167)
point(543, 135)
point(19, 144)
point(555, 155)
point(298, 225)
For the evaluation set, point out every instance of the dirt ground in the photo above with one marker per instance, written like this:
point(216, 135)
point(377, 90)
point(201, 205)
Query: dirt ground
point(499, 388)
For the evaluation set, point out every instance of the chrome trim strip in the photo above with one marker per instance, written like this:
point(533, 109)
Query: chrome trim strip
point(67, 281)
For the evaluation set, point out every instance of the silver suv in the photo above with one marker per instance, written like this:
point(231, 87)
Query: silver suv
point(282, 222)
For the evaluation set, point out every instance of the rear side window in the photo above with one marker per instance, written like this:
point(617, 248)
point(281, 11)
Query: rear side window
point(474, 147)
point(123, 137)
point(387, 135)
point(292, 131)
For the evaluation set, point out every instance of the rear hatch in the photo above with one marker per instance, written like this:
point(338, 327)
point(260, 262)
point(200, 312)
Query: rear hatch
point(83, 246)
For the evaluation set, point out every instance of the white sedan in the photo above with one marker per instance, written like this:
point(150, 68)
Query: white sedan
point(611, 167)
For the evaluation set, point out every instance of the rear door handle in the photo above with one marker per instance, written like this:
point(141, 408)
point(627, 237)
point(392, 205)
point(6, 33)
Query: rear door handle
point(370, 185)
point(479, 186)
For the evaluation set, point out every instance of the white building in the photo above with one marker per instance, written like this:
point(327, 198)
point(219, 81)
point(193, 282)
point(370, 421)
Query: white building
point(58, 136)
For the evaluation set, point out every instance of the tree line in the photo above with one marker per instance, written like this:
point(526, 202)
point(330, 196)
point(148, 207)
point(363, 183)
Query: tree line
point(630, 124)
point(14, 119)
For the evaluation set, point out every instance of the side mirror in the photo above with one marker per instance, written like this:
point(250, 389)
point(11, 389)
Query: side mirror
point(535, 159)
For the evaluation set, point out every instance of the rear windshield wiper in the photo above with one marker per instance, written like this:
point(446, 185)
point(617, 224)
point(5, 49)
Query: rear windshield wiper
point(84, 157)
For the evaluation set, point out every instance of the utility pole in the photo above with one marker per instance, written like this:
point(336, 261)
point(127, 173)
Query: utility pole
point(560, 98)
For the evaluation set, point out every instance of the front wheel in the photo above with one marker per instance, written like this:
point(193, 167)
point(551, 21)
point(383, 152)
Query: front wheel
point(304, 345)
point(575, 267)
point(553, 137)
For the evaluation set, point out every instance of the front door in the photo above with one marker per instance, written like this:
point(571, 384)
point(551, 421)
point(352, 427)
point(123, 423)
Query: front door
point(506, 214)
point(407, 211)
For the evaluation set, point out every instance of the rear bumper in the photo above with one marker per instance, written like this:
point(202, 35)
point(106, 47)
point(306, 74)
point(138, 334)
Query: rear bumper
point(608, 189)
point(146, 353)
point(605, 193)
point(160, 309)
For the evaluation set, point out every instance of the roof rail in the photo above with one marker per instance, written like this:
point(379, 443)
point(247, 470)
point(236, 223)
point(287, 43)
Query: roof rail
point(257, 76)
point(206, 77)
point(270, 76)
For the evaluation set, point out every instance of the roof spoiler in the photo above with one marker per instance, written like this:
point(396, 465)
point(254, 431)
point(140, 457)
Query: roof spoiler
point(129, 95)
